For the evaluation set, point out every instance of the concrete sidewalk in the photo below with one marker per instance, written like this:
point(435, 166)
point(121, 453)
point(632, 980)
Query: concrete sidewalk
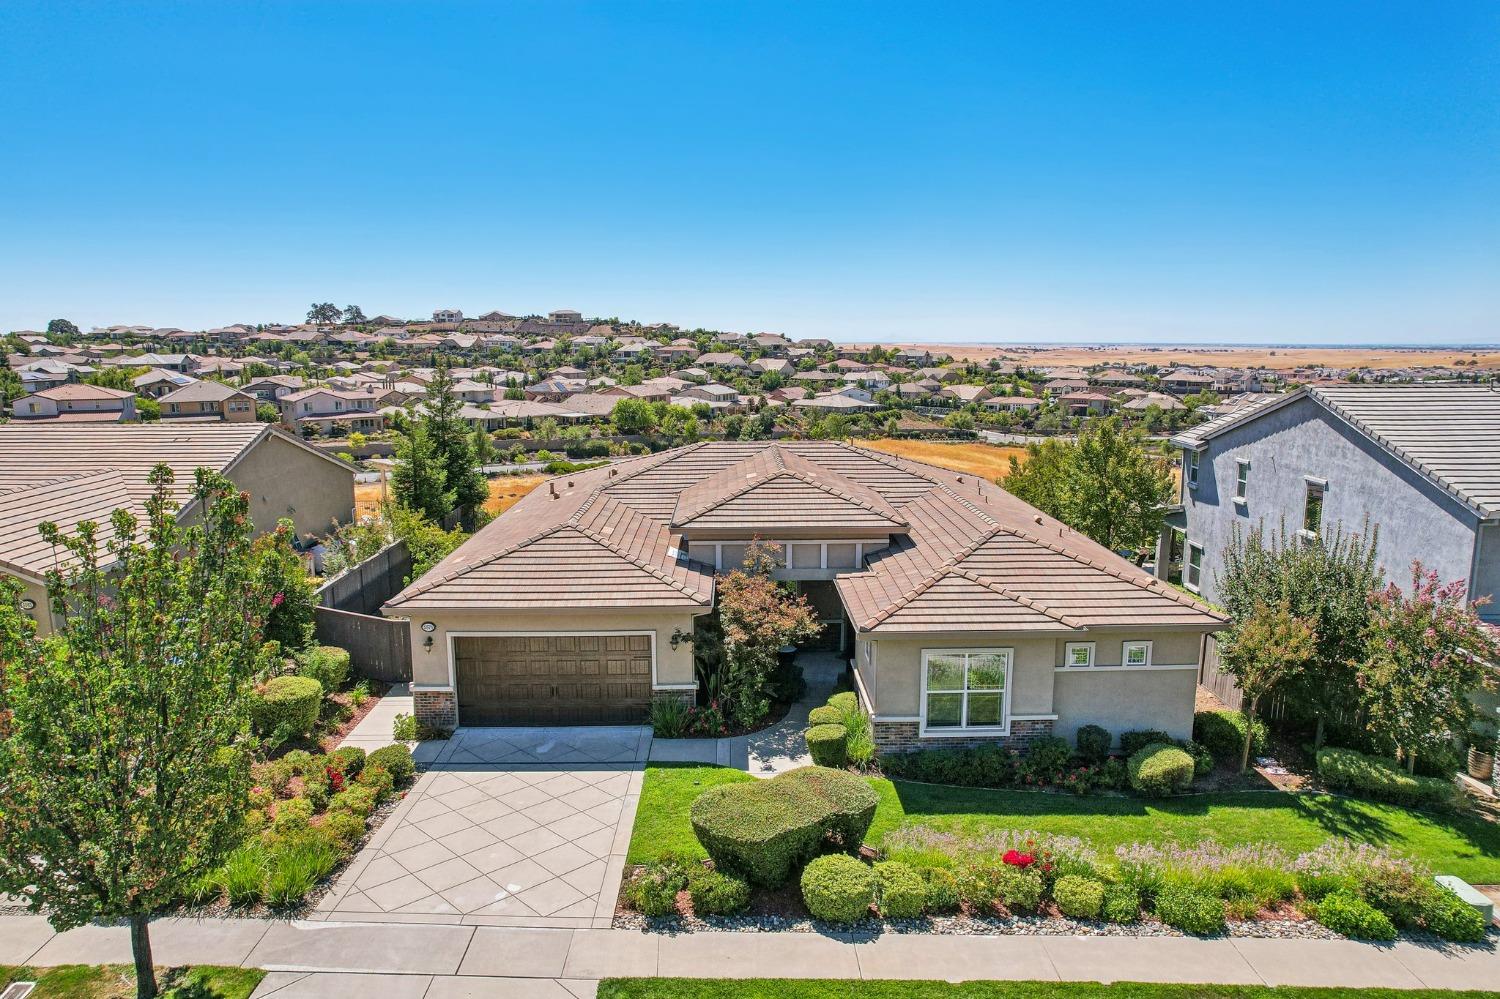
point(417, 959)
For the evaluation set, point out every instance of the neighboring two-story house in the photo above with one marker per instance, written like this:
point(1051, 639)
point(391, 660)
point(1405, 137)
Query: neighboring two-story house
point(207, 400)
point(1419, 462)
point(320, 410)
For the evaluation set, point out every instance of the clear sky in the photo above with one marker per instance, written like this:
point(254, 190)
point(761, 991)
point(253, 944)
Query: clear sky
point(1295, 172)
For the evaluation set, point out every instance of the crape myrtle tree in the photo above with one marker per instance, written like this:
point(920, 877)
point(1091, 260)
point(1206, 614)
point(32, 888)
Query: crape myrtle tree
point(1425, 653)
point(1265, 647)
point(124, 745)
point(757, 616)
point(1325, 581)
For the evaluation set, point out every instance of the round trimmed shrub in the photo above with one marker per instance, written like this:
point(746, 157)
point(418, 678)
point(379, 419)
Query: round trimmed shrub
point(1133, 742)
point(377, 779)
point(765, 830)
point(1093, 743)
point(828, 745)
point(349, 760)
point(1160, 769)
point(327, 664)
point(1122, 904)
point(942, 889)
point(654, 890)
point(825, 714)
point(1078, 897)
point(1223, 733)
point(844, 702)
point(292, 816)
point(1345, 912)
point(838, 889)
point(286, 704)
point(1189, 910)
point(348, 829)
point(356, 799)
point(902, 891)
point(397, 762)
point(716, 894)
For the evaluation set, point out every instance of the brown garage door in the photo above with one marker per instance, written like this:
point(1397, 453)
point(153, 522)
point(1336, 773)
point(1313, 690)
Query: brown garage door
point(553, 679)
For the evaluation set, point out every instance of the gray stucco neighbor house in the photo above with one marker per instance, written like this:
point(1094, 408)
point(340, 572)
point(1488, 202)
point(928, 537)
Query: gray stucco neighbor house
point(1420, 462)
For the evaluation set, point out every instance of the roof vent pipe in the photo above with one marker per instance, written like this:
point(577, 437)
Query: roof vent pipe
point(552, 486)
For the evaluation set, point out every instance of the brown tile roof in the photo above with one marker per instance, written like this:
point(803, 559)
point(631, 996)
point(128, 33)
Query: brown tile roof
point(204, 391)
point(65, 501)
point(971, 558)
point(80, 391)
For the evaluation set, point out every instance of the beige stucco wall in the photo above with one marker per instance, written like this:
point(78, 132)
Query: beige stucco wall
point(1119, 699)
point(431, 667)
point(285, 480)
point(42, 613)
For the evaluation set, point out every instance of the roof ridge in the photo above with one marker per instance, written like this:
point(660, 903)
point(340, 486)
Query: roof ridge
point(899, 463)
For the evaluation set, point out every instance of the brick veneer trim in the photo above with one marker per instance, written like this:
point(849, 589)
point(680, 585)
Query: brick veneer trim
point(903, 737)
point(435, 708)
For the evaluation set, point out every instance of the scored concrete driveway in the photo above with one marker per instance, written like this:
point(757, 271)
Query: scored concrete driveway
point(509, 827)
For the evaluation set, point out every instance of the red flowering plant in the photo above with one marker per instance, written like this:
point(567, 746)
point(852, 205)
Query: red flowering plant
point(1015, 858)
point(335, 779)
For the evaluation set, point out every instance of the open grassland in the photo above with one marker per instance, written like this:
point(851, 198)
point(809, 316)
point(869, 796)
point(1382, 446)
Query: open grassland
point(1274, 358)
point(989, 461)
point(505, 492)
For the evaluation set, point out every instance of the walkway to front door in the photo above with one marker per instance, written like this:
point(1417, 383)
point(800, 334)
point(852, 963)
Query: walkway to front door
point(509, 827)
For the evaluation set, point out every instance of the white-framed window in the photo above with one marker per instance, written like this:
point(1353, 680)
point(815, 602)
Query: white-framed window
point(1312, 507)
point(1135, 654)
point(1192, 469)
point(1241, 480)
point(1078, 654)
point(965, 689)
point(1192, 574)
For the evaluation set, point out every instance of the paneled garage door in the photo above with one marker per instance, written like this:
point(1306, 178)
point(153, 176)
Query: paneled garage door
point(553, 679)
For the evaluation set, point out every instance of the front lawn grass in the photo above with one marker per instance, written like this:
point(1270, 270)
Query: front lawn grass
point(786, 988)
point(117, 981)
point(1451, 844)
point(662, 824)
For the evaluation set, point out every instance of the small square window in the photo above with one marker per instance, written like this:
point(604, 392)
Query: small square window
point(1136, 654)
point(1078, 654)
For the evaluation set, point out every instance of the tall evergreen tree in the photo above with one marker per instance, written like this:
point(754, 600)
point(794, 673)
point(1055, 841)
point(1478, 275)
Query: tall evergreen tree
point(419, 481)
point(452, 443)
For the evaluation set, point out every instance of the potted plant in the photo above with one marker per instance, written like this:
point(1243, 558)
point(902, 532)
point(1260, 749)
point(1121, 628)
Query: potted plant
point(1482, 751)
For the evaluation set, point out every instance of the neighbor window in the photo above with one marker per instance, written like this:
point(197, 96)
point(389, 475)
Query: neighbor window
point(1078, 654)
point(1193, 579)
point(1242, 480)
point(1192, 469)
point(1312, 510)
point(965, 689)
point(1136, 654)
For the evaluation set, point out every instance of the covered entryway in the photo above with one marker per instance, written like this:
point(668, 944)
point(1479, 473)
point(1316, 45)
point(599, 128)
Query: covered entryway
point(586, 679)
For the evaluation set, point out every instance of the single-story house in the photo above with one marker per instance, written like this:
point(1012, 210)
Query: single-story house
point(969, 616)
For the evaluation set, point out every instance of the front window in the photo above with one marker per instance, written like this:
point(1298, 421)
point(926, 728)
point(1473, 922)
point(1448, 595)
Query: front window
point(1136, 654)
point(1194, 577)
point(1312, 510)
point(965, 689)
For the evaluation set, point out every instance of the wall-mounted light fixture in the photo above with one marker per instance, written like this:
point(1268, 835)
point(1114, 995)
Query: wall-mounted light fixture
point(428, 627)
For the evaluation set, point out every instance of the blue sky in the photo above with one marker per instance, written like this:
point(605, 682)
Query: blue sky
point(1212, 172)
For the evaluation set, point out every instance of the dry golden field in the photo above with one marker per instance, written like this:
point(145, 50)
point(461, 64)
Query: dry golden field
point(1274, 358)
point(505, 492)
point(989, 461)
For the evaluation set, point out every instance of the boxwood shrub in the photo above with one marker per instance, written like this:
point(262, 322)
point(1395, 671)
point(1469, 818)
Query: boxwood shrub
point(395, 760)
point(286, 704)
point(327, 664)
point(1133, 742)
point(1223, 732)
point(1078, 897)
point(1190, 910)
point(1374, 777)
point(765, 830)
point(838, 888)
point(901, 891)
point(653, 891)
point(825, 714)
point(1345, 912)
point(1122, 904)
point(349, 760)
point(1450, 917)
point(716, 894)
point(1093, 742)
point(1159, 769)
point(828, 745)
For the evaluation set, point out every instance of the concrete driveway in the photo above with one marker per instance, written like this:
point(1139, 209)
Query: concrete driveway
point(509, 827)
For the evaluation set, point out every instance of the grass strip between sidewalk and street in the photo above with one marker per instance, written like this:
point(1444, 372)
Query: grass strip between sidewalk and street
point(117, 981)
point(787, 988)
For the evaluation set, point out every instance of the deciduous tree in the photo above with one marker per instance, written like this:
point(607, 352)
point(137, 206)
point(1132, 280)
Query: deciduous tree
point(1262, 649)
point(757, 616)
point(124, 747)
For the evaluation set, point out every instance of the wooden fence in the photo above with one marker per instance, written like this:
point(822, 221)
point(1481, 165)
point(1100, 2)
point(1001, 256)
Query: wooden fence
point(1215, 679)
point(348, 615)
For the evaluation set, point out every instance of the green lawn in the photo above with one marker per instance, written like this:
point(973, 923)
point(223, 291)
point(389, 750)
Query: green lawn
point(117, 981)
point(786, 988)
point(1467, 847)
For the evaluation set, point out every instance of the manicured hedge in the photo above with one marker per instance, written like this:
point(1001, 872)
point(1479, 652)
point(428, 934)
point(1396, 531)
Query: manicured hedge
point(1078, 897)
point(1190, 910)
point(838, 888)
point(288, 704)
point(1159, 769)
point(1345, 912)
point(1374, 777)
point(395, 760)
point(767, 829)
point(716, 894)
point(902, 890)
point(828, 745)
point(327, 664)
point(825, 714)
point(1133, 742)
point(1093, 742)
point(1223, 732)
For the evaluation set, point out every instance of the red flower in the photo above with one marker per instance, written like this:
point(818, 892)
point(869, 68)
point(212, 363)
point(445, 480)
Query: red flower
point(335, 780)
point(1016, 858)
point(278, 600)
